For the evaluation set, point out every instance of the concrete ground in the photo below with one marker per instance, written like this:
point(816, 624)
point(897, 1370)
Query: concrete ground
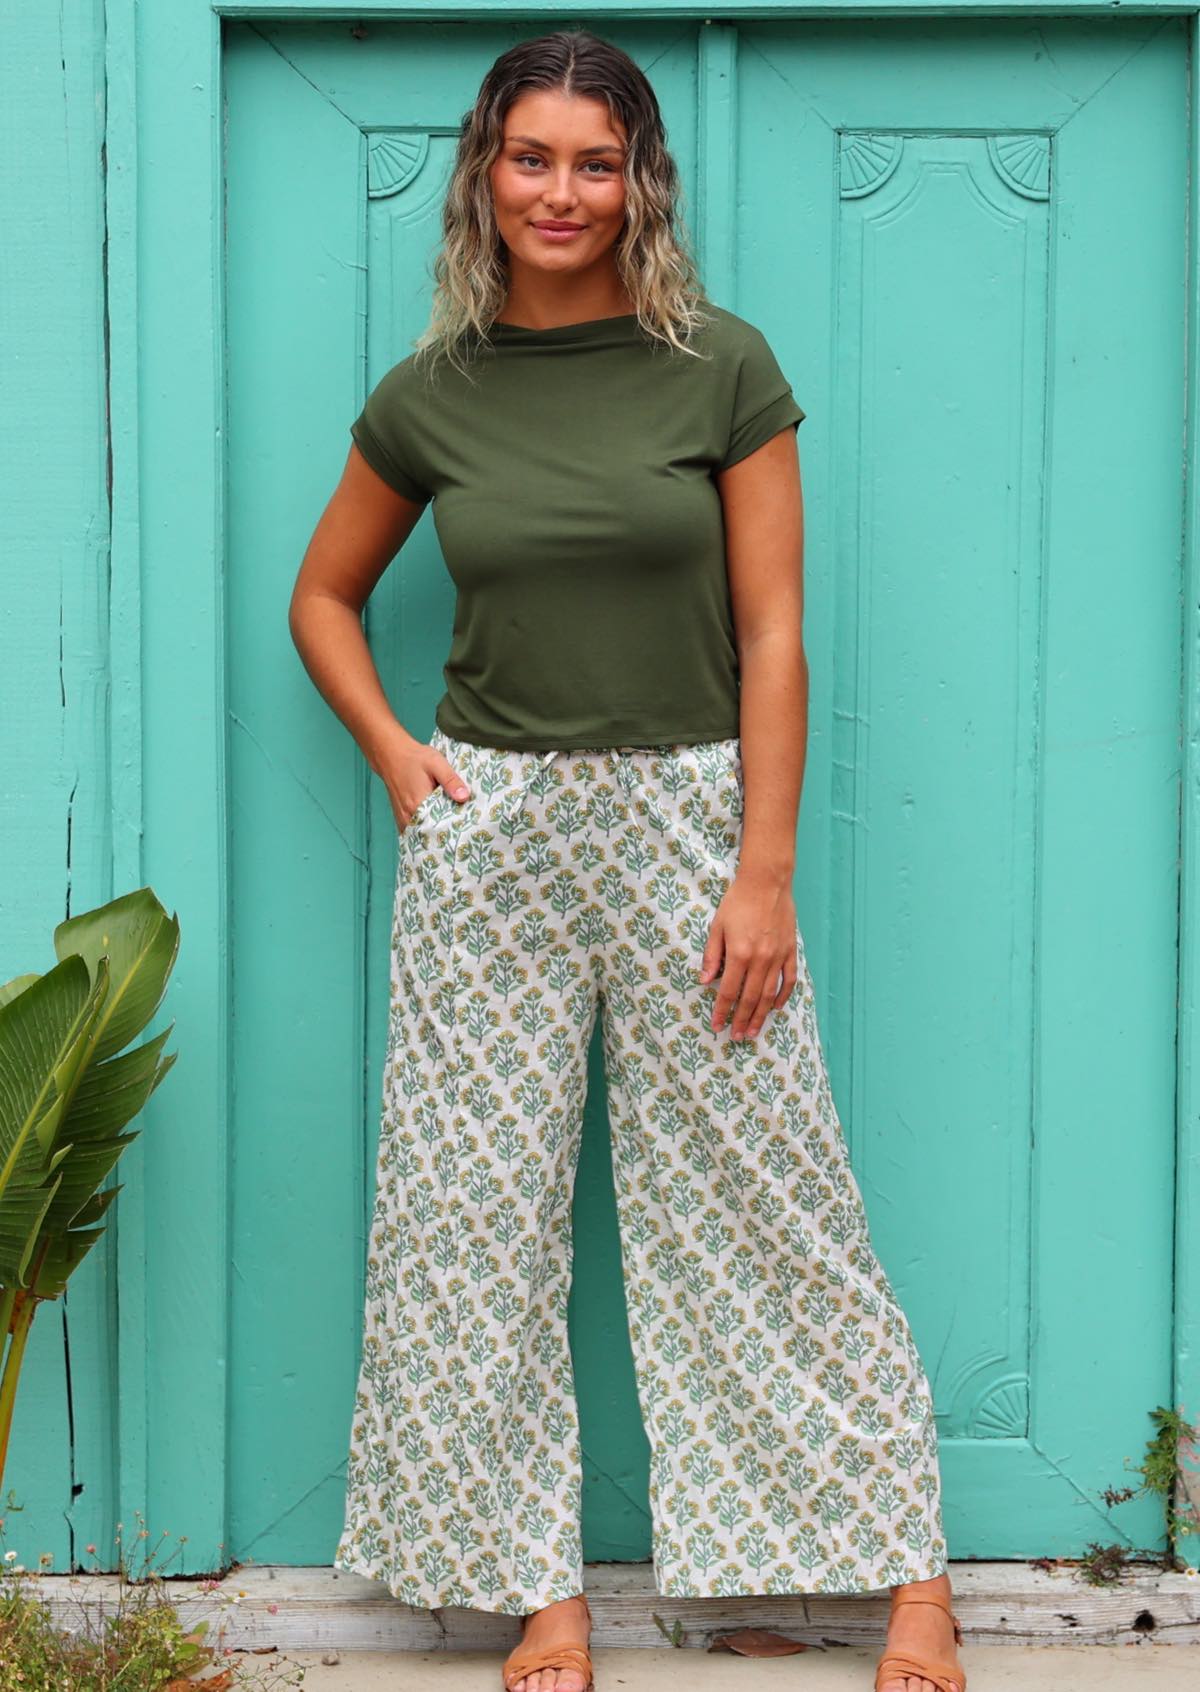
point(990, 1668)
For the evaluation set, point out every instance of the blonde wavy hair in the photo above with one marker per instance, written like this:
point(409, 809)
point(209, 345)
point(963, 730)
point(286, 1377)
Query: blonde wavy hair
point(470, 269)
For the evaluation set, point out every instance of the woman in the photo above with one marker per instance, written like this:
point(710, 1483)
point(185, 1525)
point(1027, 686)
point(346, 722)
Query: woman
point(603, 823)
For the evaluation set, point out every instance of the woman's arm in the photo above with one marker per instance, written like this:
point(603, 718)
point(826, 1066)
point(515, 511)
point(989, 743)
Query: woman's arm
point(360, 531)
point(755, 925)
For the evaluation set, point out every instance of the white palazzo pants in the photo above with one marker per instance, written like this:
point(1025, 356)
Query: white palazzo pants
point(793, 1445)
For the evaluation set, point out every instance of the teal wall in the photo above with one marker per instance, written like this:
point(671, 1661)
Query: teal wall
point(215, 253)
point(55, 642)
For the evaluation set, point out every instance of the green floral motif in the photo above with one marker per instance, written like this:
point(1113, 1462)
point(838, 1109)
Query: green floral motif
point(793, 1444)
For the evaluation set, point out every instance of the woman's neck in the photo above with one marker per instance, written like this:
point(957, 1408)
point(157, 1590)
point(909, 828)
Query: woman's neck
point(553, 308)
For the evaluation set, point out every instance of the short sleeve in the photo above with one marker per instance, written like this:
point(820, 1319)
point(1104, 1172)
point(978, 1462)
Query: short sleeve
point(763, 403)
point(385, 432)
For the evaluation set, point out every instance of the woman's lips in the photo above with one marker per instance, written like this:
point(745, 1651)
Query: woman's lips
point(552, 234)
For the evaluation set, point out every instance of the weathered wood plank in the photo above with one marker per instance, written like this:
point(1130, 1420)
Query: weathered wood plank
point(997, 1603)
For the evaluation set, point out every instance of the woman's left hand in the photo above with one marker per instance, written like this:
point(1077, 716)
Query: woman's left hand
point(753, 943)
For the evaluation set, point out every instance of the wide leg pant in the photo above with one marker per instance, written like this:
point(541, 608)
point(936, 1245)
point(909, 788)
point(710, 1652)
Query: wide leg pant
point(793, 1445)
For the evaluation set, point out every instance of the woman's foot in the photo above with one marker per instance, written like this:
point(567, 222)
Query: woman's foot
point(922, 1630)
point(565, 1623)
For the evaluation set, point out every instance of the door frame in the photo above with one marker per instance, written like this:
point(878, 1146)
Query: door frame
point(166, 336)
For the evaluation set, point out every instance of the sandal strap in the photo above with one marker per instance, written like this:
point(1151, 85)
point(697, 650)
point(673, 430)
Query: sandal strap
point(525, 1660)
point(905, 1595)
point(898, 1664)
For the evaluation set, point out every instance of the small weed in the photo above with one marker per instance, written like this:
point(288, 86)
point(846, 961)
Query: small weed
point(674, 1635)
point(143, 1647)
point(1159, 1470)
point(1102, 1565)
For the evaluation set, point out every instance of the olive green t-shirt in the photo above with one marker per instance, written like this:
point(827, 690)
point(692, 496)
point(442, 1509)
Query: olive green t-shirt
point(575, 506)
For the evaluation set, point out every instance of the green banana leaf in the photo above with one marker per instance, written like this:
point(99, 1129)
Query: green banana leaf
point(65, 1094)
point(44, 1034)
point(18, 984)
point(140, 941)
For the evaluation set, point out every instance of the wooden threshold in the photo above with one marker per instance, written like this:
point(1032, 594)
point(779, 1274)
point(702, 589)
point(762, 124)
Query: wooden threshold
point(271, 1606)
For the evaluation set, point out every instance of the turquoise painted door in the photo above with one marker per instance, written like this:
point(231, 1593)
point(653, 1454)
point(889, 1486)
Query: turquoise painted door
point(966, 243)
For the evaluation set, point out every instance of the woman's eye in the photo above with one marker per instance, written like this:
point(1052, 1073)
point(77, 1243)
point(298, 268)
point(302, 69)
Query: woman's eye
point(525, 158)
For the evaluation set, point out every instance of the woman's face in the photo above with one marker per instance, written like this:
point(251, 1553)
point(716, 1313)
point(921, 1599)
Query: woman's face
point(561, 163)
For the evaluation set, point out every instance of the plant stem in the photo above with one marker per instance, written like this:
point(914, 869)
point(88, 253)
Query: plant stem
point(25, 1302)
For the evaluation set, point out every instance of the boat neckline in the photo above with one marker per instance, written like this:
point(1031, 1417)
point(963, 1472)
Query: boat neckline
point(584, 329)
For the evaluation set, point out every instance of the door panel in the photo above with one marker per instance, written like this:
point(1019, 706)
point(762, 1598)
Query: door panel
point(992, 880)
point(966, 243)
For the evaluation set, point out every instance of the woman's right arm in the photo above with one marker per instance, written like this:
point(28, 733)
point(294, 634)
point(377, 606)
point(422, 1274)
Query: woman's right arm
point(362, 528)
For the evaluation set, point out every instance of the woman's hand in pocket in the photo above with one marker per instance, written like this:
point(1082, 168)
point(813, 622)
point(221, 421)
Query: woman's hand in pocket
point(415, 772)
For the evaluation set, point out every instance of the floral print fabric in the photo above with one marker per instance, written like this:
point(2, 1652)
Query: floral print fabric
point(793, 1445)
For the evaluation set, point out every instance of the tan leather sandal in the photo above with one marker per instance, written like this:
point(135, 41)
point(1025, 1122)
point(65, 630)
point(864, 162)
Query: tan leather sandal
point(525, 1659)
point(949, 1677)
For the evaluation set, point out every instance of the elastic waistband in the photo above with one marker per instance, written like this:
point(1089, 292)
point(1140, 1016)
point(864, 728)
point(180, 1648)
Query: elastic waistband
point(472, 748)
